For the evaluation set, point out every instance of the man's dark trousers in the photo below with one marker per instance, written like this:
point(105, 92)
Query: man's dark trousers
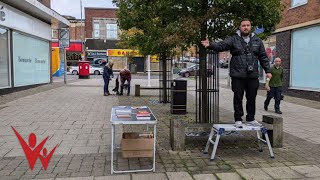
point(276, 93)
point(239, 86)
point(123, 80)
point(106, 84)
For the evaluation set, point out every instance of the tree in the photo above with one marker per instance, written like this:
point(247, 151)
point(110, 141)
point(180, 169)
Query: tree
point(166, 24)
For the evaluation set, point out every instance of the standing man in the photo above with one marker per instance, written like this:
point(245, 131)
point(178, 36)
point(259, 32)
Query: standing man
point(274, 86)
point(246, 49)
point(107, 74)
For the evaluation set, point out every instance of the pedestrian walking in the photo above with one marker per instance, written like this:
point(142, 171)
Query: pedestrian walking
point(247, 50)
point(107, 75)
point(274, 86)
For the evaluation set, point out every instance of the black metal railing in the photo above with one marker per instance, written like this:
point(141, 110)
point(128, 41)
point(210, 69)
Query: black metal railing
point(207, 90)
point(165, 79)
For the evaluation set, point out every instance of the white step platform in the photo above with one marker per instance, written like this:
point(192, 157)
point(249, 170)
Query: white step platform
point(221, 129)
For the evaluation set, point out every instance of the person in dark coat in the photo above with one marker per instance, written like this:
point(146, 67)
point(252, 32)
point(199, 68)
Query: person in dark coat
point(247, 50)
point(107, 74)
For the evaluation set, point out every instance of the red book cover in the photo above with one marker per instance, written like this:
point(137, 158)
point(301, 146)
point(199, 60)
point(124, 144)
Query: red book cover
point(143, 114)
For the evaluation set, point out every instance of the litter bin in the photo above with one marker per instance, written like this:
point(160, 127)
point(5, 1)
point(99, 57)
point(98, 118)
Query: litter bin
point(179, 96)
point(84, 69)
point(133, 69)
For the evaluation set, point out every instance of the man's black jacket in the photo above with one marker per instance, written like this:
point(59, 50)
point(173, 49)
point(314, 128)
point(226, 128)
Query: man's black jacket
point(239, 61)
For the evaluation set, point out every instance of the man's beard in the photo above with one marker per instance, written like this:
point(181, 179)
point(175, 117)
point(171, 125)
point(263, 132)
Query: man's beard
point(245, 34)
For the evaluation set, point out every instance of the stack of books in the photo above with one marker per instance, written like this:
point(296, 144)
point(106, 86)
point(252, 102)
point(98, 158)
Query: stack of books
point(143, 115)
point(124, 113)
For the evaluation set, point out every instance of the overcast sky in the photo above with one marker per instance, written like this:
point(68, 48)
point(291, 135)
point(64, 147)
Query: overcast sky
point(72, 7)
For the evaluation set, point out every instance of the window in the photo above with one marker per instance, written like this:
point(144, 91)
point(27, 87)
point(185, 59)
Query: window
point(96, 30)
point(295, 3)
point(55, 34)
point(30, 60)
point(112, 31)
point(4, 59)
point(305, 61)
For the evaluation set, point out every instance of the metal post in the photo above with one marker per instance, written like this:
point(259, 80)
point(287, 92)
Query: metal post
point(164, 79)
point(149, 73)
point(81, 34)
point(229, 78)
point(65, 65)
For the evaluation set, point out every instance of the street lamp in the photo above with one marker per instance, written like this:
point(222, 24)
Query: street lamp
point(81, 33)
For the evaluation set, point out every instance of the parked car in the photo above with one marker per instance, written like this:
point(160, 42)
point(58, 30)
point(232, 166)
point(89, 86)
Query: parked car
point(184, 59)
point(193, 59)
point(225, 64)
point(192, 70)
point(95, 69)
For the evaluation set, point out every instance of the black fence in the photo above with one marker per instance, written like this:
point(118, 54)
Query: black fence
point(207, 90)
point(165, 79)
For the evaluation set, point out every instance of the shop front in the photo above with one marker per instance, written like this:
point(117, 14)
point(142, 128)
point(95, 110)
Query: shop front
point(126, 58)
point(73, 52)
point(95, 57)
point(24, 50)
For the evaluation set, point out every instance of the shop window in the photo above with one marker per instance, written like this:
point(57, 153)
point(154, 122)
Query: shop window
point(4, 59)
point(30, 60)
point(305, 61)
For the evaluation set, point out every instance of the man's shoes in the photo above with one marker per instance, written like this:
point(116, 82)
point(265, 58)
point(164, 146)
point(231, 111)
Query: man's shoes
point(265, 107)
point(106, 94)
point(120, 94)
point(239, 124)
point(278, 112)
point(253, 123)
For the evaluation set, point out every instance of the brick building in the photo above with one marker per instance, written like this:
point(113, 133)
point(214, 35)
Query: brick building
point(298, 44)
point(102, 33)
point(46, 3)
point(75, 50)
point(101, 23)
point(102, 36)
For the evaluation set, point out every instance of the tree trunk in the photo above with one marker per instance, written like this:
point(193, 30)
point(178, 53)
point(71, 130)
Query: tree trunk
point(203, 108)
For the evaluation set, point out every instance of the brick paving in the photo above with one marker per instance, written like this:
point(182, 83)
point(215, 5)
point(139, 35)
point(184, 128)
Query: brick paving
point(76, 117)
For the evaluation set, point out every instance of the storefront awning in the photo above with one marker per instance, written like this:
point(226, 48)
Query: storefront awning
point(39, 11)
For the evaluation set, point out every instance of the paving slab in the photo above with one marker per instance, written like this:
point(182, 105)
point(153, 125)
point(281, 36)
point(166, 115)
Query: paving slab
point(307, 170)
point(254, 174)
point(153, 176)
point(115, 177)
point(282, 173)
point(179, 176)
point(229, 176)
point(204, 177)
point(77, 178)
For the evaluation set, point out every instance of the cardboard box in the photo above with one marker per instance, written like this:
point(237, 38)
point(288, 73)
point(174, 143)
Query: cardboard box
point(136, 145)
